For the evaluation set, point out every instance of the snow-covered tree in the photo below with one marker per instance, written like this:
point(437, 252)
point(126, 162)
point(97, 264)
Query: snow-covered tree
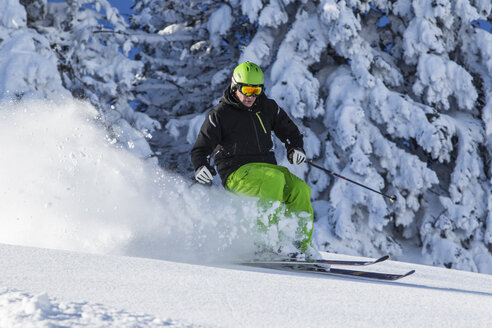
point(189, 51)
point(28, 67)
point(393, 94)
point(91, 44)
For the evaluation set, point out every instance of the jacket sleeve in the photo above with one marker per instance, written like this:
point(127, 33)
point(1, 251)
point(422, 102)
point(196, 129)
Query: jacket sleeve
point(208, 138)
point(286, 130)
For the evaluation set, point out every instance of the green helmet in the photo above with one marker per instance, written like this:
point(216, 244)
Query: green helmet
point(247, 73)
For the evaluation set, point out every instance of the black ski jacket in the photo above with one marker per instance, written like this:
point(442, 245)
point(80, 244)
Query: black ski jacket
point(239, 135)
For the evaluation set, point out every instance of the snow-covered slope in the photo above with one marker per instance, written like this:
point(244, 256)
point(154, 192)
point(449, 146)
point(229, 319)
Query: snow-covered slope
point(45, 288)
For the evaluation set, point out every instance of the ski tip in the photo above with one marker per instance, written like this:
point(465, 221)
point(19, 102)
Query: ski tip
point(407, 274)
point(381, 259)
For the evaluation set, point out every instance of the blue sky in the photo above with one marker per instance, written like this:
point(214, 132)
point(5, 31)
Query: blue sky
point(123, 6)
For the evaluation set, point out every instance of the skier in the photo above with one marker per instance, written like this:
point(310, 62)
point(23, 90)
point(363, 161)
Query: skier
point(238, 132)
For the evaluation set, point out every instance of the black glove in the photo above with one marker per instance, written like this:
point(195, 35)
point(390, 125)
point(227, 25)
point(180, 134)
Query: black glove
point(296, 156)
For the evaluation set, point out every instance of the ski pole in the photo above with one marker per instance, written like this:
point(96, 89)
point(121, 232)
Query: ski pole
point(391, 198)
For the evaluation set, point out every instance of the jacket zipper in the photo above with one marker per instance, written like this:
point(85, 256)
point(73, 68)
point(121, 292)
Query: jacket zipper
point(256, 133)
point(261, 122)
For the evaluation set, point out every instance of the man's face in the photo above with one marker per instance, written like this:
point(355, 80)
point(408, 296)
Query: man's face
point(247, 101)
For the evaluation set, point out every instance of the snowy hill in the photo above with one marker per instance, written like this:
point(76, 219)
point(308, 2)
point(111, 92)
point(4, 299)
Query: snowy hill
point(46, 288)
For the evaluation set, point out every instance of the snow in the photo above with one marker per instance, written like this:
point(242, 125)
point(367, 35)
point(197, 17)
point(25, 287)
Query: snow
point(451, 79)
point(219, 24)
point(46, 288)
point(12, 15)
point(273, 15)
point(27, 67)
point(251, 8)
point(65, 184)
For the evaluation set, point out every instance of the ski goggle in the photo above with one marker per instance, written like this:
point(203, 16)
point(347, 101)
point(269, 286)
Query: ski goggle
point(250, 90)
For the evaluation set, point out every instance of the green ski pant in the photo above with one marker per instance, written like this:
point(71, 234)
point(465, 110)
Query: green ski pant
point(272, 183)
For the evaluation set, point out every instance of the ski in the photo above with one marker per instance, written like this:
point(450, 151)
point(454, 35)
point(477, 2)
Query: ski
point(330, 262)
point(324, 270)
point(370, 275)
